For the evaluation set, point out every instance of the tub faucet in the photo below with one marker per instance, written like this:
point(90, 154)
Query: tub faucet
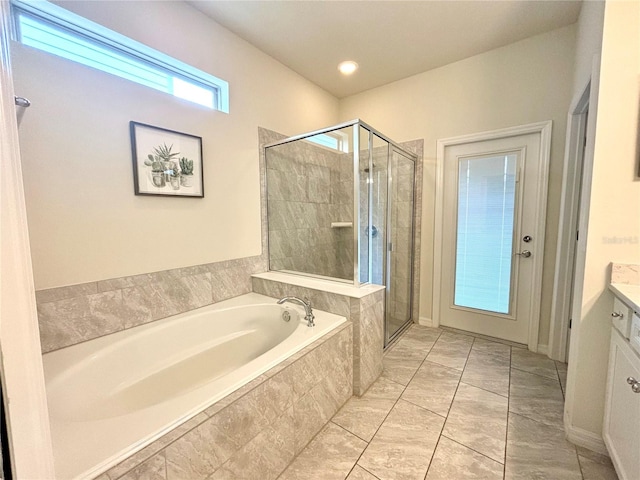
point(309, 317)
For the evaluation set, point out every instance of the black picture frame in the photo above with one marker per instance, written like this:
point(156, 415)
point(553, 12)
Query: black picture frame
point(166, 162)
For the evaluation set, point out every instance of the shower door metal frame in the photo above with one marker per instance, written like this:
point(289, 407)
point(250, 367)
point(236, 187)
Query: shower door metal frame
point(388, 339)
point(356, 123)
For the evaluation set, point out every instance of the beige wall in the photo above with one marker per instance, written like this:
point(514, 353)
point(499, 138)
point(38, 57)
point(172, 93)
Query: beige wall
point(525, 82)
point(588, 42)
point(85, 222)
point(614, 210)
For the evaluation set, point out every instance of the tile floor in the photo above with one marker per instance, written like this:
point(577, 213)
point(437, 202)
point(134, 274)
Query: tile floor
point(453, 406)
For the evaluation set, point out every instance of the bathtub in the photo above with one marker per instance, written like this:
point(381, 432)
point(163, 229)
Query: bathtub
point(112, 396)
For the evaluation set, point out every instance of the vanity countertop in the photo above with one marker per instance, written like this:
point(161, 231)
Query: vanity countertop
point(630, 294)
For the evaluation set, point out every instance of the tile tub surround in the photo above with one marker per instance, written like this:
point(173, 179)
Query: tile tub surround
point(365, 313)
point(447, 416)
point(74, 314)
point(256, 431)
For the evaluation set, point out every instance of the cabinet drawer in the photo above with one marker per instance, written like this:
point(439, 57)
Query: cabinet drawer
point(634, 335)
point(621, 317)
point(622, 409)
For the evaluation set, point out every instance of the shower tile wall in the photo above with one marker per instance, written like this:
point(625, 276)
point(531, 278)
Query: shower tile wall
point(309, 187)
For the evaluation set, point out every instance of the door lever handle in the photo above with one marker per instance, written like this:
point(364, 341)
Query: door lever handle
point(524, 253)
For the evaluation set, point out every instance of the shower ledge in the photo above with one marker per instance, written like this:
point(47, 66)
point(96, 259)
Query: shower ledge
point(319, 284)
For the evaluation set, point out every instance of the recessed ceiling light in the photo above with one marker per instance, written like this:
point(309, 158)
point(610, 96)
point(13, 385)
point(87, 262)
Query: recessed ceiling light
point(348, 67)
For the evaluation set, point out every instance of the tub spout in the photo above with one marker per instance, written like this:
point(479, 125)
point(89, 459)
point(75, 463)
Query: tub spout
point(309, 317)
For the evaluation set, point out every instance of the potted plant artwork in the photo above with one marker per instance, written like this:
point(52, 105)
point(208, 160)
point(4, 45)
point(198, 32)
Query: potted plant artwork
point(186, 172)
point(157, 170)
point(166, 162)
point(165, 154)
point(174, 176)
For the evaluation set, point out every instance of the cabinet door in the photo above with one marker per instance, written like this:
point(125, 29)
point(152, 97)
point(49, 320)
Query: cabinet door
point(622, 411)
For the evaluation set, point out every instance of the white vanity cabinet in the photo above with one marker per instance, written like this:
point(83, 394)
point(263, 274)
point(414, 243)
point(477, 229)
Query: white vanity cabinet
point(622, 409)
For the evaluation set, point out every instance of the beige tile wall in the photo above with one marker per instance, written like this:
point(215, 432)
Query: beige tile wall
point(366, 314)
point(70, 315)
point(255, 432)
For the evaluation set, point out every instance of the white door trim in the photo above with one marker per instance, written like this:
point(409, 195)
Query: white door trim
point(581, 247)
point(576, 157)
point(21, 358)
point(544, 129)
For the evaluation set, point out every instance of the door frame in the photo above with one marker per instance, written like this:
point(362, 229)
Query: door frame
point(21, 368)
point(542, 128)
point(578, 161)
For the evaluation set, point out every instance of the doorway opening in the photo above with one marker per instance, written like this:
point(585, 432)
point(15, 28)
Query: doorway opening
point(569, 234)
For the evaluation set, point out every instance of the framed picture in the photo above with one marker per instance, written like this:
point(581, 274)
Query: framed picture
point(166, 162)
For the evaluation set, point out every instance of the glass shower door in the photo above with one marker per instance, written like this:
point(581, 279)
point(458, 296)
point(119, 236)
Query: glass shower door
point(400, 242)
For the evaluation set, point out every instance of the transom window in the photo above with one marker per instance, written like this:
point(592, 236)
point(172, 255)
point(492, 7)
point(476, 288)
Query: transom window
point(55, 30)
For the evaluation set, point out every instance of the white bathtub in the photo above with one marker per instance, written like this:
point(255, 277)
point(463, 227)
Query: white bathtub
point(111, 396)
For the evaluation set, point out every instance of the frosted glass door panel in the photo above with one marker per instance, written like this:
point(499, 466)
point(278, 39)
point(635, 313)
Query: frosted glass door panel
point(485, 229)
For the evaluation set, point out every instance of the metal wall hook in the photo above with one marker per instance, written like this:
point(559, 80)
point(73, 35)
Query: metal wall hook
point(22, 102)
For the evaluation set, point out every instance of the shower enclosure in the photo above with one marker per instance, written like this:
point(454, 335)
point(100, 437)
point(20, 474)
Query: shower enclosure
point(340, 204)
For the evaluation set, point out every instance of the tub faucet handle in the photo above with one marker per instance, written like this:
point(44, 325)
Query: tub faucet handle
point(309, 317)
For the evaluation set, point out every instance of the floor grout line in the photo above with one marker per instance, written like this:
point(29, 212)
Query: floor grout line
point(416, 346)
point(444, 424)
point(483, 389)
point(472, 449)
point(426, 474)
point(400, 397)
point(348, 431)
point(537, 421)
point(373, 475)
point(506, 433)
point(537, 375)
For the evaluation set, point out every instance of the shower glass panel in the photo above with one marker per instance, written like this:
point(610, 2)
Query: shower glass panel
point(340, 207)
point(364, 190)
point(378, 229)
point(310, 205)
point(399, 281)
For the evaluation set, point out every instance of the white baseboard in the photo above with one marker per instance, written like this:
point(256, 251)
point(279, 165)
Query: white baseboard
point(543, 349)
point(584, 438)
point(425, 322)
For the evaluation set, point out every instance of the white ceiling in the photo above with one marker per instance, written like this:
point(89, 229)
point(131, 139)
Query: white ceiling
point(390, 40)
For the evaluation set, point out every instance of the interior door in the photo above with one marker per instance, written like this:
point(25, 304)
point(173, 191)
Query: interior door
point(489, 245)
